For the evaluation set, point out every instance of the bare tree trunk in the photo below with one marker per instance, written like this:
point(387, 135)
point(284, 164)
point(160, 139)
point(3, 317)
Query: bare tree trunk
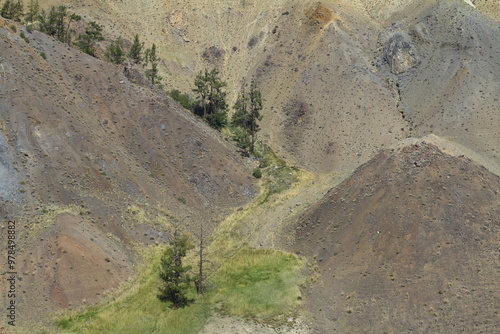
point(199, 285)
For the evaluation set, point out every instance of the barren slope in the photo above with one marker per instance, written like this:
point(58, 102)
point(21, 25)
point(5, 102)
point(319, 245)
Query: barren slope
point(408, 243)
point(92, 164)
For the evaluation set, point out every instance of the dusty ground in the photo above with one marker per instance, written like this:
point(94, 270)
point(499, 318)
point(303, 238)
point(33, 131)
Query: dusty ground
point(219, 325)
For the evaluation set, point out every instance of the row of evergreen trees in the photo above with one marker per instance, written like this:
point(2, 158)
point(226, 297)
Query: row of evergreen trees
point(211, 105)
point(58, 22)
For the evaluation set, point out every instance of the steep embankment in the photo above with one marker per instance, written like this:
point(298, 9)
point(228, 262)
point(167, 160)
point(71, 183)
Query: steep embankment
point(407, 243)
point(94, 161)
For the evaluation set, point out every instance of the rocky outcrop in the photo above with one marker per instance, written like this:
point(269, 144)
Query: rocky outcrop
point(399, 54)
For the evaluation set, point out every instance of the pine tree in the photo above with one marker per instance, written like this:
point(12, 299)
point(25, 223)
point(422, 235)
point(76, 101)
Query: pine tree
point(210, 89)
point(53, 23)
point(72, 18)
point(6, 11)
point(33, 11)
point(12, 10)
point(201, 84)
point(247, 114)
point(114, 53)
point(254, 111)
point(151, 58)
point(240, 120)
point(135, 53)
point(86, 42)
point(175, 278)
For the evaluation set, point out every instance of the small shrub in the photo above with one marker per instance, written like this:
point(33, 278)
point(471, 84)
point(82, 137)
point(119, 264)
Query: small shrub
point(30, 28)
point(182, 200)
point(23, 36)
point(44, 56)
point(184, 99)
point(13, 28)
point(257, 173)
point(217, 121)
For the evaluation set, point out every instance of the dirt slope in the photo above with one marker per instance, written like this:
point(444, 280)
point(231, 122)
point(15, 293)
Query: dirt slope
point(94, 161)
point(408, 243)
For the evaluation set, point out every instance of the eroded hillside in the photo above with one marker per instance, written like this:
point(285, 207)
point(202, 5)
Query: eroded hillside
point(95, 161)
point(333, 94)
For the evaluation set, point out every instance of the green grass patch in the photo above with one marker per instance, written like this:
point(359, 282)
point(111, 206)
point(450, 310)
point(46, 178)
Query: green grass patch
point(267, 157)
point(276, 175)
point(259, 283)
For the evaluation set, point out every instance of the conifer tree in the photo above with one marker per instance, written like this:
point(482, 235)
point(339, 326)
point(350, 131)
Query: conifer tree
point(115, 53)
point(151, 58)
point(255, 107)
point(33, 11)
point(12, 10)
point(175, 277)
point(210, 89)
point(86, 42)
point(247, 114)
point(72, 18)
point(135, 53)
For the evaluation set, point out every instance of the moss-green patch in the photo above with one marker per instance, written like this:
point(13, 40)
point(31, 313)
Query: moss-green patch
point(267, 157)
point(259, 283)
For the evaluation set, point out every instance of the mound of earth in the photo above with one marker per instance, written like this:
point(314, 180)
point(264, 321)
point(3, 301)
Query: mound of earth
point(94, 161)
point(408, 243)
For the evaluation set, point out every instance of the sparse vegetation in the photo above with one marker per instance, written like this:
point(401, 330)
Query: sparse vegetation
point(184, 99)
point(23, 36)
